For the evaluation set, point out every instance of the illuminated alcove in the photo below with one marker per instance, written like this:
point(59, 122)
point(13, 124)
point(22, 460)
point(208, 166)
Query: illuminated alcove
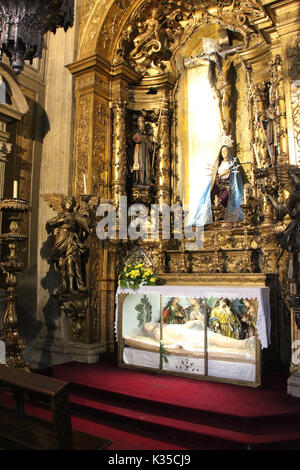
point(199, 127)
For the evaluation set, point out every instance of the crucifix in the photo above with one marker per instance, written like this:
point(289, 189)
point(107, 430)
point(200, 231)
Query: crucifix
point(219, 58)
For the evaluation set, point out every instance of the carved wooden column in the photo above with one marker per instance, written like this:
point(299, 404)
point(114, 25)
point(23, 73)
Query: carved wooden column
point(119, 164)
point(121, 76)
point(277, 78)
point(163, 159)
point(288, 29)
point(92, 126)
point(91, 158)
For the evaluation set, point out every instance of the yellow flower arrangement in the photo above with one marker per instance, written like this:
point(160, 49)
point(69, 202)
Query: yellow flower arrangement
point(135, 274)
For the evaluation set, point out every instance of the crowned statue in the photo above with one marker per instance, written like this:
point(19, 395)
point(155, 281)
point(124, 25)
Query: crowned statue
point(225, 184)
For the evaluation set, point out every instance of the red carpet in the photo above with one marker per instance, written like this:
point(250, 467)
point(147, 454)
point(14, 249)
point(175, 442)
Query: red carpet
point(186, 413)
point(138, 410)
point(188, 393)
point(122, 440)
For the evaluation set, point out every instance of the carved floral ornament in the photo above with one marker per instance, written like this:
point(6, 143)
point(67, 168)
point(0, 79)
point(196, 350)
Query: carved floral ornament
point(155, 30)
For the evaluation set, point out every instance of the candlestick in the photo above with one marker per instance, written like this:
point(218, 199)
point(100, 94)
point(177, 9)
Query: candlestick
point(84, 184)
point(246, 193)
point(15, 191)
point(11, 266)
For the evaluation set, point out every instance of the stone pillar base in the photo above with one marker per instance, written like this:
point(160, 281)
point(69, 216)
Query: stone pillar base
point(293, 385)
point(45, 352)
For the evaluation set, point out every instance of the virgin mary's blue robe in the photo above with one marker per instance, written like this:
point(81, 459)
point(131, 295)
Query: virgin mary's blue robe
point(203, 214)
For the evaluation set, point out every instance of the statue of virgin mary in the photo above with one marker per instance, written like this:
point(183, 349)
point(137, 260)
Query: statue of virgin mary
point(225, 187)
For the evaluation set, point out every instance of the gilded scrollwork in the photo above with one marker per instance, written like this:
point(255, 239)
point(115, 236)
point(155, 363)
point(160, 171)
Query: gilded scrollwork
point(269, 126)
point(82, 144)
point(276, 114)
point(99, 154)
point(154, 33)
point(242, 14)
point(93, 269)
point(119, 151)
point(257, 98)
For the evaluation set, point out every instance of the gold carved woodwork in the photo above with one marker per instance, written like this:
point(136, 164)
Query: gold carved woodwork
point(219, 279)
point(152, 253)
point(111, 30)
point(82, 142)
point(92, 127)
point(102, 21)
point(99, 159)
point(278, 83)
point(293, 55)
point(154, 33)
point(268, 117)
point(163, 161)
point(222, 261)
point(119, 164)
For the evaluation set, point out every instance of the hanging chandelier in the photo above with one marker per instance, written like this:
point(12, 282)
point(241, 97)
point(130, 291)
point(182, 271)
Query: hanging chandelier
point(23, 24)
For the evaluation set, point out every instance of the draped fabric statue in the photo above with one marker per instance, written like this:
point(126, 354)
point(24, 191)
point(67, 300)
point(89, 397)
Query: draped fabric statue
point(227, 185)
point(196, 311)
point(142, 156)
point(69, 246)
point(223, 320)
point(173, 312)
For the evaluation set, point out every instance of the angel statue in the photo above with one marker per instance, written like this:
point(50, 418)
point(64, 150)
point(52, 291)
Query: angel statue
point(71, 228)
point(148, 30)
point(219, 58)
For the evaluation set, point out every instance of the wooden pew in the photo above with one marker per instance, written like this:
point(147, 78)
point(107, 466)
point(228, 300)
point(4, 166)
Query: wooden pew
point(19, 430)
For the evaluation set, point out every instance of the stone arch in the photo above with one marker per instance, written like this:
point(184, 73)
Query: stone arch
point(18, 106)
point(12, 110)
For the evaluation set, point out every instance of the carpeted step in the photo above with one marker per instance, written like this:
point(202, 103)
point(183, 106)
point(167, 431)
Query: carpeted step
point(121, 439)
point(185, 393)
point(251, 425)
point(170, 426)
point(199, 414)
point(239, 409)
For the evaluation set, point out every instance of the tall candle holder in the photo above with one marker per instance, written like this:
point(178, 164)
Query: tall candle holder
point(15, 345)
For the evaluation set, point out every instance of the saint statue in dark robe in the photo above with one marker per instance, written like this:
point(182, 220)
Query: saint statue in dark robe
point(142, 155)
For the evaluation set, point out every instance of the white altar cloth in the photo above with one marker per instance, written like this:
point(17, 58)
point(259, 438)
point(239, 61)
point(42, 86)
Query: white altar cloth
point(262, 294)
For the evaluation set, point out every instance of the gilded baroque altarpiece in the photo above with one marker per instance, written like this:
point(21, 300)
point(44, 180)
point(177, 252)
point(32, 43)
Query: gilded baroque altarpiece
point(131, 69)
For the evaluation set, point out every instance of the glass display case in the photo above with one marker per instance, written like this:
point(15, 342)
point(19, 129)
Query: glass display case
point(212, 336)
